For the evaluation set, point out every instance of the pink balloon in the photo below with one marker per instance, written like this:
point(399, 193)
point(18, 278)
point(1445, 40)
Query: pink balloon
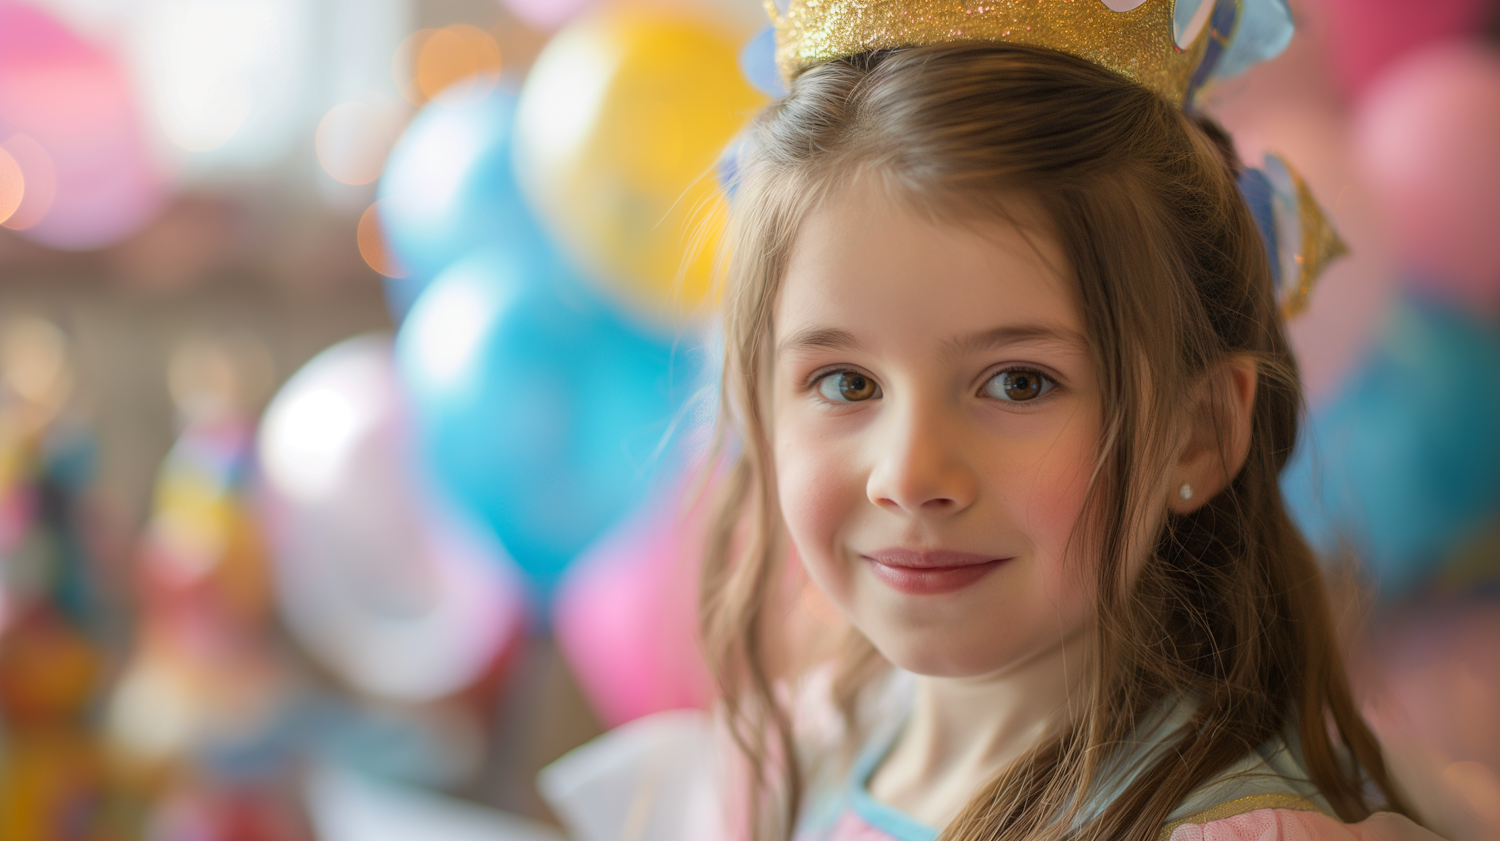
point(625, 613)
point(1365, 36)
point(547, 14)
point(68, 118)
point(1426, 137)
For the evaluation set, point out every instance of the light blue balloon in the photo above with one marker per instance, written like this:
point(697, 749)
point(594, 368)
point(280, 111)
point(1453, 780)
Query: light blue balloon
point(1404, 467)
point(539, 410)
point(449, 188)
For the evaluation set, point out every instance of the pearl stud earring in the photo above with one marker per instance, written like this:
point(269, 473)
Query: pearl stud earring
point(1186, 492)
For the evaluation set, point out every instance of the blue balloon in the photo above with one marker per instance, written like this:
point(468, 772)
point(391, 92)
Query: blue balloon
point(539, 410)
point(449, 188)
point(1404, 467)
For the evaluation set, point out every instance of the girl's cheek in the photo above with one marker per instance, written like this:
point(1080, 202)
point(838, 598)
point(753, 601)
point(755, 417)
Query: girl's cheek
point(1054, 507)
point(816, 491)
point(1051, 509)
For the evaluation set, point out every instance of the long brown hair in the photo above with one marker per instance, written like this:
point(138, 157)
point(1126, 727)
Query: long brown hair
point(1229, 607)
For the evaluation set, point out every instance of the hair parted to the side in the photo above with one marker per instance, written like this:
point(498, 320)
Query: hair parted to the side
point(1229, 607)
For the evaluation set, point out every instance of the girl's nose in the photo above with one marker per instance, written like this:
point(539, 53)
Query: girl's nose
point(920, 467)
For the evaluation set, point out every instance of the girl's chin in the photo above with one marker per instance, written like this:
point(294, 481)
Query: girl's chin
point(934, 653)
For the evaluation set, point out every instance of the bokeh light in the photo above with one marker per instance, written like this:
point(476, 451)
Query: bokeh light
point(372, 244)
point(12, 185)
point(34, 363)
point(457, 61)
point(39, 180)
point(213, 376)
point(353, 139)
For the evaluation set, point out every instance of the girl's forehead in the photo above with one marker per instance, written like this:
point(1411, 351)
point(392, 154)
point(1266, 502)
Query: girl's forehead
point(865, 262)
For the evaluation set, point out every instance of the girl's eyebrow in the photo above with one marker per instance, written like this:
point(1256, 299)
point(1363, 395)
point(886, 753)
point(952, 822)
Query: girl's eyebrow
point(821, 337)
point(835, 339)
point(1011, 334)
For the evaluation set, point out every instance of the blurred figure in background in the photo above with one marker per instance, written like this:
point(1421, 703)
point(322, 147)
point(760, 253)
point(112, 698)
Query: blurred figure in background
point(56, 610)
point(204, 709)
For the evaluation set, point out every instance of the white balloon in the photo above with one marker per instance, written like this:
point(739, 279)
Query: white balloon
point(375, 579)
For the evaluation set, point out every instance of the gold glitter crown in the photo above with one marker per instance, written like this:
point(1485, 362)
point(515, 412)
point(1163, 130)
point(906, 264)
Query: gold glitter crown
point(1139, 44)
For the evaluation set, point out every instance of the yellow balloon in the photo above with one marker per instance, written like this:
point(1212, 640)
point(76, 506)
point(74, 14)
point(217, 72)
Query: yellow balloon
point(620, 124)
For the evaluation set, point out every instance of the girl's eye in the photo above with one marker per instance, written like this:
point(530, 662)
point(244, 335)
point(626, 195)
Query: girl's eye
point(847, 387)
point(1018, 385)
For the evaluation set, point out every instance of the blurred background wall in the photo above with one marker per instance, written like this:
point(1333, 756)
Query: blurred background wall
point(353, 381)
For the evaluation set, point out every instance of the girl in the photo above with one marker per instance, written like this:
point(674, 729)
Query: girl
point(1008, 377)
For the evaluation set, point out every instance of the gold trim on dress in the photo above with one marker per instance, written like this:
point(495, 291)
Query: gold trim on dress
point(1243, 805)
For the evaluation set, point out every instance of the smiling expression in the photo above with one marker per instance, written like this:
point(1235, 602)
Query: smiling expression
point(936, 419)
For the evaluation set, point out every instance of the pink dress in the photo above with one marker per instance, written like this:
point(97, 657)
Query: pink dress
point(661, 778)
point(1267, 824)
point(1292, 825)
point(1267, 796)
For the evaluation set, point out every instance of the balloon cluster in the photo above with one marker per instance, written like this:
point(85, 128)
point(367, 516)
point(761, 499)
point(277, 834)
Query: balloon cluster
point(517, 451)
point(549, 340)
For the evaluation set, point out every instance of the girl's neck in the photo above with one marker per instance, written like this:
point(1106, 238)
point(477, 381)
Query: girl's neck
point(963, 731)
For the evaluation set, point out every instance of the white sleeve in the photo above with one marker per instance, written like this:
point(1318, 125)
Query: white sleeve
point(658, 778)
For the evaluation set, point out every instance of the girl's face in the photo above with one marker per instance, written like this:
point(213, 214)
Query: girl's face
point(936, 419)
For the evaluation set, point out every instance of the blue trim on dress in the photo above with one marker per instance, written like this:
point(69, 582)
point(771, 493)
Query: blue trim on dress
point(891, 821)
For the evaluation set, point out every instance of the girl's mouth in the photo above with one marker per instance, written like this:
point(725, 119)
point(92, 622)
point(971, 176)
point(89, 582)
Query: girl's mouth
point(930, 573)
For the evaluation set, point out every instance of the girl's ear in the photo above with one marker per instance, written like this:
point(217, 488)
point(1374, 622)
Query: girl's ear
point(1216, 439)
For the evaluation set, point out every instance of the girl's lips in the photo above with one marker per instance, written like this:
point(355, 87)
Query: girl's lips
point(930, 573)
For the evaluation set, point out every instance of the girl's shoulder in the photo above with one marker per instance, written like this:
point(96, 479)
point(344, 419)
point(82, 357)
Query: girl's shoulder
point(1298, 823)
point(1269, 796)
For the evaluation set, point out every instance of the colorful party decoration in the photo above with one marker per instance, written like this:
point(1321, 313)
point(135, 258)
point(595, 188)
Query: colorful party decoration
point(621, 121)
point(50, 532)
point(202, 551)
point(625, 614)
point(54, 782)
point(75, 164)
point(449, 188)
point(1403, 469)
point(57, 623)
point(201, 670)
point(1426, 136)
point(376, 580)
point(540, 412)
